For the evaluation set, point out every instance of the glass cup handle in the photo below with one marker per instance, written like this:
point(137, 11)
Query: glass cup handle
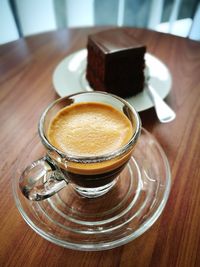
point(41, 180)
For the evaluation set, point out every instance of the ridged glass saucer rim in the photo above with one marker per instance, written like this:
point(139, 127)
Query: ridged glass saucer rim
point(109, 244)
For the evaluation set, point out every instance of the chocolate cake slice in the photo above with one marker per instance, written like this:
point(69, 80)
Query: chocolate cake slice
point(115, 63)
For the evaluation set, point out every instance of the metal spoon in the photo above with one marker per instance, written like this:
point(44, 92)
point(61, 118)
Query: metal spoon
point(164, 112)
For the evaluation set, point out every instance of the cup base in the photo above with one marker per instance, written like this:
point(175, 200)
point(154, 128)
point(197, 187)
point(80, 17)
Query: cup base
point(128, 209)
point(94, 192)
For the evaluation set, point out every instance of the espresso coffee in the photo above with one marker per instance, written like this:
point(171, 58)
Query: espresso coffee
point(88, 142)
point(91, 129)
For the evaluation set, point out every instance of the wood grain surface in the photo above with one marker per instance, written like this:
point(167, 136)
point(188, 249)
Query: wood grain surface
point(26, 68)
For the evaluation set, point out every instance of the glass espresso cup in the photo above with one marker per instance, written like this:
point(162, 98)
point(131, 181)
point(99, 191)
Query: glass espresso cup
point(90, 176)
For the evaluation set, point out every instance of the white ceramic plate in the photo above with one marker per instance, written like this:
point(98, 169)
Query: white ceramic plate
point(69, 78)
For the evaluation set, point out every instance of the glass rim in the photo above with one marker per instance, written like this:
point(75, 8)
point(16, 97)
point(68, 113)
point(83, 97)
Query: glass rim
point(90, 159)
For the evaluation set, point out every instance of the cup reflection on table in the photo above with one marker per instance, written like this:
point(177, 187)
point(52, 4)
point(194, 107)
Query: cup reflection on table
point(90, 176)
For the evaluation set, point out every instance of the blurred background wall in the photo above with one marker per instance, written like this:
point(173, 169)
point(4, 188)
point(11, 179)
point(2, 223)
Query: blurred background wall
point(20, 18)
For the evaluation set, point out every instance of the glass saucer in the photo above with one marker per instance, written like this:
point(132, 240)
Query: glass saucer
point(116, 218)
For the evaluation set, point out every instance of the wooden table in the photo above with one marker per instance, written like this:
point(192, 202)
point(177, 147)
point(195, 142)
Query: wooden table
point(26, 68)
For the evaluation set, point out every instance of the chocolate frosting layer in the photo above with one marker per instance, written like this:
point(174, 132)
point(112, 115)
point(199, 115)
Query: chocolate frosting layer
point(116, 40)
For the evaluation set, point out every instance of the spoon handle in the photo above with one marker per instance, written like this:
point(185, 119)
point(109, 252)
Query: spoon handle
point(164, 112)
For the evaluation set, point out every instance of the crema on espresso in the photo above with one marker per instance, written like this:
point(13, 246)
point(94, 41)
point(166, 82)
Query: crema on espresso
point(89, 129)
